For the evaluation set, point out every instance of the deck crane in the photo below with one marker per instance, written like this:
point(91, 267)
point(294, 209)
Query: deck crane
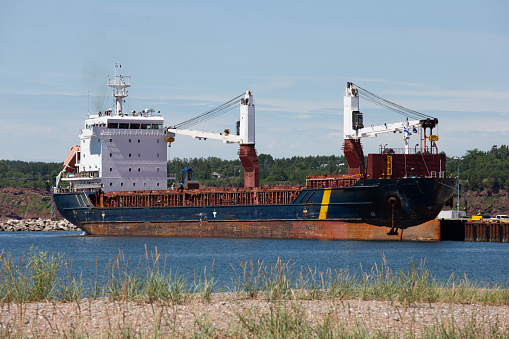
point(353, 121)
point(245, 137)
point(354, 128)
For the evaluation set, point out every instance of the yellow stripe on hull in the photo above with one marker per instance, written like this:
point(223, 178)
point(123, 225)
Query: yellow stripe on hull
point(325, 204)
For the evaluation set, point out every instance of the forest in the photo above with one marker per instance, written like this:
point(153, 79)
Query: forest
point(478, 170)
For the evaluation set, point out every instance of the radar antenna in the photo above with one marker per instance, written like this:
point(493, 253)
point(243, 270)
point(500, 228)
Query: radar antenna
point(119, 85)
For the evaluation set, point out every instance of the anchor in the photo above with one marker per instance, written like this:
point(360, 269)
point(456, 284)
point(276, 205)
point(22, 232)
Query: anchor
point(394, 229)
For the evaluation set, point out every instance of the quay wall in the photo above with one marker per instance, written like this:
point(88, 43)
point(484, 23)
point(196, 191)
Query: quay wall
point(474, 230)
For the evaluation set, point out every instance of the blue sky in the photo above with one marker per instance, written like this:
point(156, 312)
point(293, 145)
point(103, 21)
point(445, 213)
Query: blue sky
point(448, 59)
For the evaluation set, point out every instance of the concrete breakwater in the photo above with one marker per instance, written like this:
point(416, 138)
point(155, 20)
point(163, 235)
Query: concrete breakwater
point(33, 225)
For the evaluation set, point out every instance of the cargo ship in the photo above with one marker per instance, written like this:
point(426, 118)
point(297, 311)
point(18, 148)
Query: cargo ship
point(115, 182)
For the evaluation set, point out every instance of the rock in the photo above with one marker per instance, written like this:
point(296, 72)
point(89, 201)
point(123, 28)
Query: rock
point(36, 225)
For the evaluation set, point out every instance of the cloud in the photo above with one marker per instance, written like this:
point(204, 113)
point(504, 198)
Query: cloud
point(471, 94)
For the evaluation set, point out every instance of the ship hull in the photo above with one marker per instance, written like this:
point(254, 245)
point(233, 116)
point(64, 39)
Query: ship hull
point(365, 211)
point(280, 229)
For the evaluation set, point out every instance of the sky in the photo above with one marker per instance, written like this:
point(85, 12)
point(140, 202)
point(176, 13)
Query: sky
point(447, 59)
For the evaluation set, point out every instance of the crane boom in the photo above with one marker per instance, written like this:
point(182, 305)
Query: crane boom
point(246, 126)
point(373, 131)
point(225, 137)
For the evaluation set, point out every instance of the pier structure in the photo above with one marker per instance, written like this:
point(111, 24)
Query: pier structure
point(483, 230)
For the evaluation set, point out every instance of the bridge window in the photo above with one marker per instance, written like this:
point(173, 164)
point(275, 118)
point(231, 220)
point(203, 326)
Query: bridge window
point(135, 126)
point(112, 125)
point(123, 125)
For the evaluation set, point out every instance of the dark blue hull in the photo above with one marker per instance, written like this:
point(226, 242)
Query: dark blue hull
point(400, 203)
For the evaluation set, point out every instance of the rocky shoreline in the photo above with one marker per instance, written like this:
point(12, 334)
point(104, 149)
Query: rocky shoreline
point(35, 225)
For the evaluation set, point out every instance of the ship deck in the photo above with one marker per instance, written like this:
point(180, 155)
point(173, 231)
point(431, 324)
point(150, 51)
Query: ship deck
point(274, 195)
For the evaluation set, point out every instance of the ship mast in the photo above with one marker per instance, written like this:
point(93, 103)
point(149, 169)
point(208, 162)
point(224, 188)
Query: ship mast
point(119, 85)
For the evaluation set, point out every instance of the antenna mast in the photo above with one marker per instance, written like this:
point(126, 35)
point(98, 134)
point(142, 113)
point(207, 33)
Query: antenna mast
point(119, 85)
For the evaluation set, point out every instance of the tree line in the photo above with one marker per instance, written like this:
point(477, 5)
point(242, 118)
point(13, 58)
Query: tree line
point(478, 170)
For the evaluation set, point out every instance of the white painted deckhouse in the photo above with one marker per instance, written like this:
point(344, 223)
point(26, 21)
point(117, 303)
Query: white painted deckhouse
point(119, 151)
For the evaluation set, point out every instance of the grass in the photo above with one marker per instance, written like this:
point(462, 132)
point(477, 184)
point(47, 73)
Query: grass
point(40, 275)
point(43, 276)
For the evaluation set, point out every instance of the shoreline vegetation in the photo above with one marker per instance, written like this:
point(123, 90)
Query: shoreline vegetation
point(40, 296)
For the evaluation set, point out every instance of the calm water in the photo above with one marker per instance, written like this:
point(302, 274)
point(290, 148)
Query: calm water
point(482, 262)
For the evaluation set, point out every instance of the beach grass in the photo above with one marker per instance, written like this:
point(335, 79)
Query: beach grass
point(41, 276)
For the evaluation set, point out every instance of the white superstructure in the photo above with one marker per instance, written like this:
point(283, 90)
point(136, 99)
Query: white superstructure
point(119, 151)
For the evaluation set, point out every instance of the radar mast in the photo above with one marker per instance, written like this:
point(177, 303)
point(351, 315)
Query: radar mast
point(119, 85)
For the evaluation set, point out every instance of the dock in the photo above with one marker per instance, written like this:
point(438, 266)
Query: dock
point(483, 230)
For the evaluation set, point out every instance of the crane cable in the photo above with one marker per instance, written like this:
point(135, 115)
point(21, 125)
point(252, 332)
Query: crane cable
point(377, 100)
point(217, 111)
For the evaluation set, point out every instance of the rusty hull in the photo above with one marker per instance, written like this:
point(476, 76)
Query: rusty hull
point(285, 229)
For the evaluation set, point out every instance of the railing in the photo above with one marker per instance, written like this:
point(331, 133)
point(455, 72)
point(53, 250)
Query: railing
point(204, 197)
point(435, 174)
point(319, 181)
point(84, 175)
point(415, 150)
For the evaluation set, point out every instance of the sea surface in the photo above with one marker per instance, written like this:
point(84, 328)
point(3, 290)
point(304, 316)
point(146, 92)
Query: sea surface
point(480, 262)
